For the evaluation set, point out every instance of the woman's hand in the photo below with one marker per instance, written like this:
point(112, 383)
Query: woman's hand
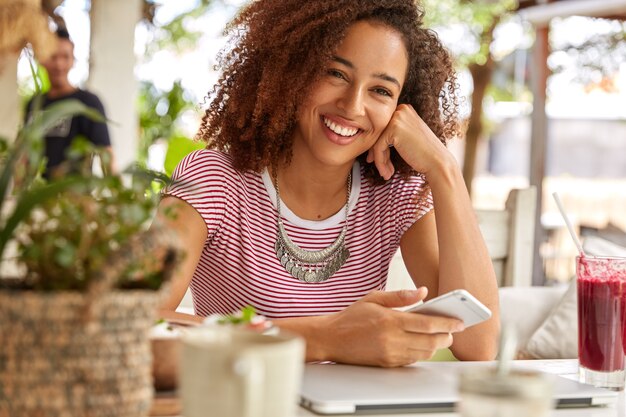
point(413, 140)
point(370, 332)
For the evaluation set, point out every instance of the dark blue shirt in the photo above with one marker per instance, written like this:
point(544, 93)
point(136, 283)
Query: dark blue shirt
point(60, 137)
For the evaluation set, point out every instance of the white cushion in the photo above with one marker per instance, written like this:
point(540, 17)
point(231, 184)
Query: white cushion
point(557, 337)
point(526, 308)
point(597, 246)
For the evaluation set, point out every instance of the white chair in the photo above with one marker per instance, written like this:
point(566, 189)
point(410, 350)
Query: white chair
point(509, 235)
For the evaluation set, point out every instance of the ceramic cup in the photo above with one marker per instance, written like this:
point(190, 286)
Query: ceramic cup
point(231, 372)
point(601, 286)
point(482, 392)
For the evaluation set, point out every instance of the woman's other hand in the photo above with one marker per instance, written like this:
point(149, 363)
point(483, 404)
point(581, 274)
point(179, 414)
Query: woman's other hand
point(414, 141)
point(371, 332)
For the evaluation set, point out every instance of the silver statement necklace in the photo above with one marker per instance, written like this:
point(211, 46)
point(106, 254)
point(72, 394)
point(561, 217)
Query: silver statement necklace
point(311, 266)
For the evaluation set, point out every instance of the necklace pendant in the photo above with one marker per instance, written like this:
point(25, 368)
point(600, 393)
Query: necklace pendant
point(311, 266)
point(310, 276)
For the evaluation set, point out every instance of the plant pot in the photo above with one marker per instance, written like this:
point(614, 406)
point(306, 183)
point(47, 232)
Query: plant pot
point(59, 358)
point(165, 353)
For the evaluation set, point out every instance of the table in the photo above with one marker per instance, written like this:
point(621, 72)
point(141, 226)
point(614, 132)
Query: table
point(565, 367)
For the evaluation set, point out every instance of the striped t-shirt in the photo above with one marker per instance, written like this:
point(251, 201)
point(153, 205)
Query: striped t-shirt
point(238, 265)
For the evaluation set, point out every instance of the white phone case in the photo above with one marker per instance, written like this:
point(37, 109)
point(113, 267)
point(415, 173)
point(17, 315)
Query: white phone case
point(459, 304)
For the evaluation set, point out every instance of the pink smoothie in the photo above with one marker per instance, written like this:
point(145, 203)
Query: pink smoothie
point(601, 314)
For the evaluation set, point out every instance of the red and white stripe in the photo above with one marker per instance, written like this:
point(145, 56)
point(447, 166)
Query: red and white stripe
point(238, 265)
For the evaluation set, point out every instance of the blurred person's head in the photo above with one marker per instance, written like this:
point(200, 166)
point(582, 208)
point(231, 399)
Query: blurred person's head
point(61, 61)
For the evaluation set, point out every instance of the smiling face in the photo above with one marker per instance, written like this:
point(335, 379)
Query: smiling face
point(350, 106)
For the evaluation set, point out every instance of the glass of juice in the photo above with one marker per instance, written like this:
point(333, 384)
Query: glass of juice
point(601, 284)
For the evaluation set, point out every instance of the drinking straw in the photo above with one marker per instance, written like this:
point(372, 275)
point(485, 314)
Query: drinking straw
point(568, 224)
point(508, 347)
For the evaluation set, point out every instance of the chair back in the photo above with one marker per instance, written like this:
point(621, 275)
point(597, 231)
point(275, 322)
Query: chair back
point(509, 235)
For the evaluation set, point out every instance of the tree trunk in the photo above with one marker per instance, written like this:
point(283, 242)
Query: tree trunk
point(481, 77)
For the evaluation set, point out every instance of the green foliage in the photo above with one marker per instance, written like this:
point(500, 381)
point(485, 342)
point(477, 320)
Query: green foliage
point(38, 84)
point(79, 232)
point(177, 35)
point(22, 161)
point(596, 58)
point(68, 241)
point(158, 113)
point(477, 19)
point(244, 316)
point(179, 147)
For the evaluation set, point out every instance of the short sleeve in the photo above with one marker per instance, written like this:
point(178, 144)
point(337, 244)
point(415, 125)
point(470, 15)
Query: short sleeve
point(206, 180)
point(412, 200)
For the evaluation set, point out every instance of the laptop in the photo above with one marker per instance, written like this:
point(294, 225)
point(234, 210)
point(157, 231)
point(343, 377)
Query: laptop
point(424, 387)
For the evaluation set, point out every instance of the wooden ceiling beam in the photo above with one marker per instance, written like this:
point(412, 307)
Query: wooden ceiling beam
point(541, 14)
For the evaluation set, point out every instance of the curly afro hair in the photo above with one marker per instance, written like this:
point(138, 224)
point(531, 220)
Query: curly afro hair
point(279, 48)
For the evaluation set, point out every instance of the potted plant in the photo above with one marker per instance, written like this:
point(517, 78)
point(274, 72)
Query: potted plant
point(74, 324)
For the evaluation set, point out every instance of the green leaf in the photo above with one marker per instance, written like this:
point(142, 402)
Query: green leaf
point(29, 200)
point(65, 255)
point(132, 214)
point(179, 147)
point(248, 313)
point(45, 120)
point(34, 72)
point(147, 175)
point(244, 316)
point(31, 136)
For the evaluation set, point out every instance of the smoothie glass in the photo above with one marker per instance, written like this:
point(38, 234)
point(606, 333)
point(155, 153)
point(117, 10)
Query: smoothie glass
point(601, 284)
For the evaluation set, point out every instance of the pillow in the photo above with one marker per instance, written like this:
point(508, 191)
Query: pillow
point(597, 246)
point(613, 233)
point(557, 337)
point(526, 308)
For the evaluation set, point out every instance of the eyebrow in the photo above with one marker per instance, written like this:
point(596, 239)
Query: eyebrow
point(380, 75)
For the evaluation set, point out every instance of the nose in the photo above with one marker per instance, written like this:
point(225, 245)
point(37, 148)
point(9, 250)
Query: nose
point(352, 101)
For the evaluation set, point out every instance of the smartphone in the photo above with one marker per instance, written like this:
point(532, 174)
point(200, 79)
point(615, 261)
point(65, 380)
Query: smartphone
point(459, 304)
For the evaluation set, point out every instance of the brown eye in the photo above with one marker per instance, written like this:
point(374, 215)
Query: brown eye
point(337, 74)
point(383, 92)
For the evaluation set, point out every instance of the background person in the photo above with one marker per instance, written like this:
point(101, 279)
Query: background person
point(326, 153)
point(59, 139)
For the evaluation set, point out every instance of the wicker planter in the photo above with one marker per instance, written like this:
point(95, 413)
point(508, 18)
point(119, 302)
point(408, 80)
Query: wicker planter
point(58, 358)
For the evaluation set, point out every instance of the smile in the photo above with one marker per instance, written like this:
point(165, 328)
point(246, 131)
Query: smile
point(340, 130)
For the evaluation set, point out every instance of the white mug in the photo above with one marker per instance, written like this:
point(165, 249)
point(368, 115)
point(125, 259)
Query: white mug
point(231, 372)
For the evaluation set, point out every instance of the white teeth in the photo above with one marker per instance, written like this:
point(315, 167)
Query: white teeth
point(340, 130)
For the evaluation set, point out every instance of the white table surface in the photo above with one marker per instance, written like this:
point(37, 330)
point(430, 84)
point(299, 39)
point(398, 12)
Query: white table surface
point(564, 367)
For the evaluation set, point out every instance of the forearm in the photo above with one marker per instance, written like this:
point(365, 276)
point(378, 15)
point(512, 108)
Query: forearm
point(179, 318)
point(464, 261)
point(311, 329)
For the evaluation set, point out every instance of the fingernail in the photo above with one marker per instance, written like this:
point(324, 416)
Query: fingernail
point(459, 327)
point(409, 293)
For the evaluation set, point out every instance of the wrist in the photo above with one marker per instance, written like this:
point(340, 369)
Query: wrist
point(445, 171)
point(313, 330)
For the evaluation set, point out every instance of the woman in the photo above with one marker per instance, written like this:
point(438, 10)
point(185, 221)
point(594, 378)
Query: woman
point(325, 153)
